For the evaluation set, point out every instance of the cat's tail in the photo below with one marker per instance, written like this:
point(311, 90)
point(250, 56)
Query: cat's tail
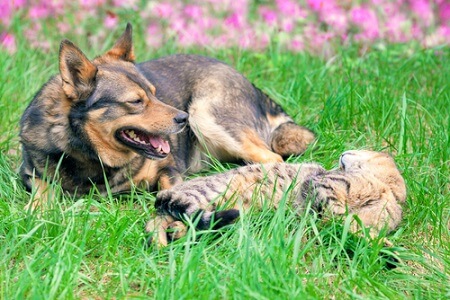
point(215, 219)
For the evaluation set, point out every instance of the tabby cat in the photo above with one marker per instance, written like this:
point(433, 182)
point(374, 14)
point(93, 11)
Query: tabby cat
point(367, 184)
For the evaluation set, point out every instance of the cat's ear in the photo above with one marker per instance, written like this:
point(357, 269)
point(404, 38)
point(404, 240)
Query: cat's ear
point(123, 48)
point(77, 71)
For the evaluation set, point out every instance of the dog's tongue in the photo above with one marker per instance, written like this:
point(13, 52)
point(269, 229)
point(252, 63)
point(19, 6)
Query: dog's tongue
point(158, 142)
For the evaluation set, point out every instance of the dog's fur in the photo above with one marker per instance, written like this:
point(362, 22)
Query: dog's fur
point(367, 184)
point(81, 127)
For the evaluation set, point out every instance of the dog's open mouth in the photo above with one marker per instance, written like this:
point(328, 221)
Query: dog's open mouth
point(146, 144)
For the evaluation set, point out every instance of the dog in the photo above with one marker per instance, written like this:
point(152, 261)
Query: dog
point(112, 123)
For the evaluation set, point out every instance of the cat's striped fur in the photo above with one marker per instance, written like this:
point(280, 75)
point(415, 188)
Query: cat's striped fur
point(367, 184)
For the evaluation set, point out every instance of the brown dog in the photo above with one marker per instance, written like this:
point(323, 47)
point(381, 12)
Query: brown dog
point(109, 119)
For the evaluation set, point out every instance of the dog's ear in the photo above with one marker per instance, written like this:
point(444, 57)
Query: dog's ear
point(123, 48)
point(77, 71)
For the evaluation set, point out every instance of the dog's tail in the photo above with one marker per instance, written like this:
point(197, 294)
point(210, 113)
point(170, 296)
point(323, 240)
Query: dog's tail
point(286, 138)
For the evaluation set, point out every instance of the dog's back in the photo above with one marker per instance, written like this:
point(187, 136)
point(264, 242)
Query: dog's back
point(230, 117)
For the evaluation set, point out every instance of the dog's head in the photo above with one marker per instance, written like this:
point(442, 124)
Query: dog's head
point(115, 105)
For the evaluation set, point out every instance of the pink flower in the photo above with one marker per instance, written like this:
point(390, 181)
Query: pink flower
point(297, 44)
point(154, 36)
point(287, 25)
point(18, 3)
point(163, 10)
point(423, 10)
point(39, 11)
point(8, 42)
point(290, 8)
point(206, 22)
point(416, 32)
point(193, 11)
point(5, 12)
point(336, 18)
point(178, 24)
point(235, 21)
point(125, 3)
point(444, 12)
point(394, 28)
point(238, 6)
point(269, 16)
point(111, 20)
point(367, 21)
point(91, 3)
point(321, 5)
point(445, 32)
point(63, 27)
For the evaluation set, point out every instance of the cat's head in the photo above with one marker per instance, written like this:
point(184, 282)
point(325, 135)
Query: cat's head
point(378, 164)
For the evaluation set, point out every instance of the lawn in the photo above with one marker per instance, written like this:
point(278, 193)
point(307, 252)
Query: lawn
point(394, 98)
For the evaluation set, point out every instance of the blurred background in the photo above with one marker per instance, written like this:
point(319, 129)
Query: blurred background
point(319, 27)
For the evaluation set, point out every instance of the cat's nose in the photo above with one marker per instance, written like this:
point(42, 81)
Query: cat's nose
point(342, 159)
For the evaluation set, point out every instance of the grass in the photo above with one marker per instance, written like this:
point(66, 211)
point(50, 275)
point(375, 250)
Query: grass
point(94, 247)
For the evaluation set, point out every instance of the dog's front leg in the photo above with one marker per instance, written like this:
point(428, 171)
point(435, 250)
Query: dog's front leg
point(39, 196)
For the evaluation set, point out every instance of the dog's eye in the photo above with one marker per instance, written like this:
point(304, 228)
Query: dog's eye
point(136, 102)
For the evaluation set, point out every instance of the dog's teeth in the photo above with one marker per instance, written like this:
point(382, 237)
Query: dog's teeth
point(131, 133)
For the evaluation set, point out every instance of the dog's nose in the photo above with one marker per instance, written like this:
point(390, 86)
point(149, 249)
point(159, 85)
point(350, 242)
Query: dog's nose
point(181, 118)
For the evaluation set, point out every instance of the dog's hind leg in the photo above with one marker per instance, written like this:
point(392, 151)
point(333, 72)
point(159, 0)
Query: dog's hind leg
point(241, 143)
point(255, 150)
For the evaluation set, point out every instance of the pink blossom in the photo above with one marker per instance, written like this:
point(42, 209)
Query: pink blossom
point(444, 12)
point(222, 41)
point(5, 12)
point(235, 21)
point(269, 16)
point(367, 22)
point(154, 37)
point(321, 5)
point(178, 24)
point(8, 42)
point(91, 3)
point(238, 6)
point(423, 10)
point(126, 3)
point(336, 18)
point(394, 28)
point(163, 10)
point(416, 32)
point(290, 8)
point(297, 44)
point(206, 23)
point(287, 25)
point(445, 32)
point(63, 27)
point(193, 11)
point(111, 20)
point(39, 11)
point(18, 3)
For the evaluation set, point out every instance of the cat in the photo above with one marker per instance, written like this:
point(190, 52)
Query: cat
point(367, 184)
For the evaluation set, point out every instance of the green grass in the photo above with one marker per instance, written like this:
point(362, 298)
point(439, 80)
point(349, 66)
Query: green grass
point(94, 247)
